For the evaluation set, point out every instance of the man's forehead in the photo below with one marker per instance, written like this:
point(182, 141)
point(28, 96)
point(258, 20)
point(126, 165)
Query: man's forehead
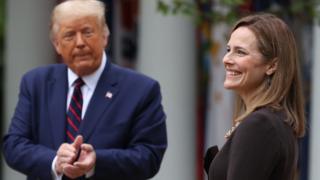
point(78, 20)
point(71, 16)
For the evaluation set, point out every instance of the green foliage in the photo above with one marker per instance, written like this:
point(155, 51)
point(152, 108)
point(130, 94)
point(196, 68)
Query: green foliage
point(305, 9)
point(193, 10)
point(231, 2)
point(177, 6)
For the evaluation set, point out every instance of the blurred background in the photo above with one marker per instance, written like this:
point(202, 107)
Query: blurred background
point(180, 43)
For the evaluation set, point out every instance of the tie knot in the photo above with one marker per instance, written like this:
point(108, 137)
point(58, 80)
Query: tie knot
point(78, 82)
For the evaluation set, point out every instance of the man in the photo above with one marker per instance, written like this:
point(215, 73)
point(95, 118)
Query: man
point(86, 118)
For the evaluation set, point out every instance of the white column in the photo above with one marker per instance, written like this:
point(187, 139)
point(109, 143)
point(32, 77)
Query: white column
point(220, 100)
point(167, 53)
point(27, 46)
point(314, 157)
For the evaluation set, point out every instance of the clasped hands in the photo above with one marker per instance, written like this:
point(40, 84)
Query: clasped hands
point(76, 159)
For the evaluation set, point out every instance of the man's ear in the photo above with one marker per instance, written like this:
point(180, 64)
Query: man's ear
point(56, 45)
point(106, 36)
point(272, 67)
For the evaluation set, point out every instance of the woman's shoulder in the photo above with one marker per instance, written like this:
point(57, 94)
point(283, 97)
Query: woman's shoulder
point(265, 123)
point(267, 117)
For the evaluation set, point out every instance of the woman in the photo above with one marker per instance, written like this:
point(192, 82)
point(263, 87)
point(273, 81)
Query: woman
point(262, 68)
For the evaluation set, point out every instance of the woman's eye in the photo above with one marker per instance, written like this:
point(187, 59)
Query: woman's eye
point(240, 52)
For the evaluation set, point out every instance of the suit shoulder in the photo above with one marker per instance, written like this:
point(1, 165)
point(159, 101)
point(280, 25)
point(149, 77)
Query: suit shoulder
point(132, 75)
point(45, 71)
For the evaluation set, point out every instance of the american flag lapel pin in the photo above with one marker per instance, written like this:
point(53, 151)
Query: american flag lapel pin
point(109, 95)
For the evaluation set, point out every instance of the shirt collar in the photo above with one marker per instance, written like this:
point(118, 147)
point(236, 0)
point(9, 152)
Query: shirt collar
point(90, 80)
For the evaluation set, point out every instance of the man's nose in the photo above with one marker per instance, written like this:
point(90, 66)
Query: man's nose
point(79, 41)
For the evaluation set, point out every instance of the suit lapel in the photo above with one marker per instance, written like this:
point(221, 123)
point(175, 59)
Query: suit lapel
point(102, 97)
point(57, 88)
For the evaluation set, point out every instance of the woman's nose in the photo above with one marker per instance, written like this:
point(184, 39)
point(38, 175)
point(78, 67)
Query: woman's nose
point(227, 58)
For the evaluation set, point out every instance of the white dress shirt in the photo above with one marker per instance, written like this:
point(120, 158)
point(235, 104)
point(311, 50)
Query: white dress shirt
point(90, 83)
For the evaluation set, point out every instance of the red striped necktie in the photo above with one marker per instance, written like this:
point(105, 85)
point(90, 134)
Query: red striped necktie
point(74, 111)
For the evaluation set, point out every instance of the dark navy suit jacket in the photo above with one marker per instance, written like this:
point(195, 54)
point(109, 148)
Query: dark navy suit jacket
point(127, 129)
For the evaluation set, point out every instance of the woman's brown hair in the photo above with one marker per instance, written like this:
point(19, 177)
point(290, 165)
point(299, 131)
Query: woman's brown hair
point(283, 89)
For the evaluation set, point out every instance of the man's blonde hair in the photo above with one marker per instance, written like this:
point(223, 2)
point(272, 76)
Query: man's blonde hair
point(77, 9)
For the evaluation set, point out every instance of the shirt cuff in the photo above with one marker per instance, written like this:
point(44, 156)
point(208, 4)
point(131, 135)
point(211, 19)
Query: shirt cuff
point(55, 175)
point(90, 173)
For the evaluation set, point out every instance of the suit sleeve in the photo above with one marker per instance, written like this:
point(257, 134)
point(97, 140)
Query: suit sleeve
point(148, 142)
point(254, 149)
point(20, 149)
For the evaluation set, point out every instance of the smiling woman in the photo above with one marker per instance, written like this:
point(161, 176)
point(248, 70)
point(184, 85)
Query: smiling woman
point(246, 67)
point(262, 69)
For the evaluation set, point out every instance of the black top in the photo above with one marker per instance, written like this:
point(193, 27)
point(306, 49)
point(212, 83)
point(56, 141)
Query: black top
point(263, 147)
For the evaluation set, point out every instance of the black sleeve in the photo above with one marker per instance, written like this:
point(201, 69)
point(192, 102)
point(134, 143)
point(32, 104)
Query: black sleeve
point(254, 149)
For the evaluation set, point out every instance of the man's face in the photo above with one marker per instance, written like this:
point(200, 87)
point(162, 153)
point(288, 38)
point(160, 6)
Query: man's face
point(81, 41)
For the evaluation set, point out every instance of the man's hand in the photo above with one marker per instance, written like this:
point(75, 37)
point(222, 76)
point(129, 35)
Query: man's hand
point(67, 154)
point(71, 163)
point(84, 164)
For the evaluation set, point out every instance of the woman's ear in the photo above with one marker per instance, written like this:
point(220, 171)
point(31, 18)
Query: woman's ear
point(272, 67)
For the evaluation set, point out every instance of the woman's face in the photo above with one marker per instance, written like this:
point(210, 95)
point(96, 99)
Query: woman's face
point(245, 67)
